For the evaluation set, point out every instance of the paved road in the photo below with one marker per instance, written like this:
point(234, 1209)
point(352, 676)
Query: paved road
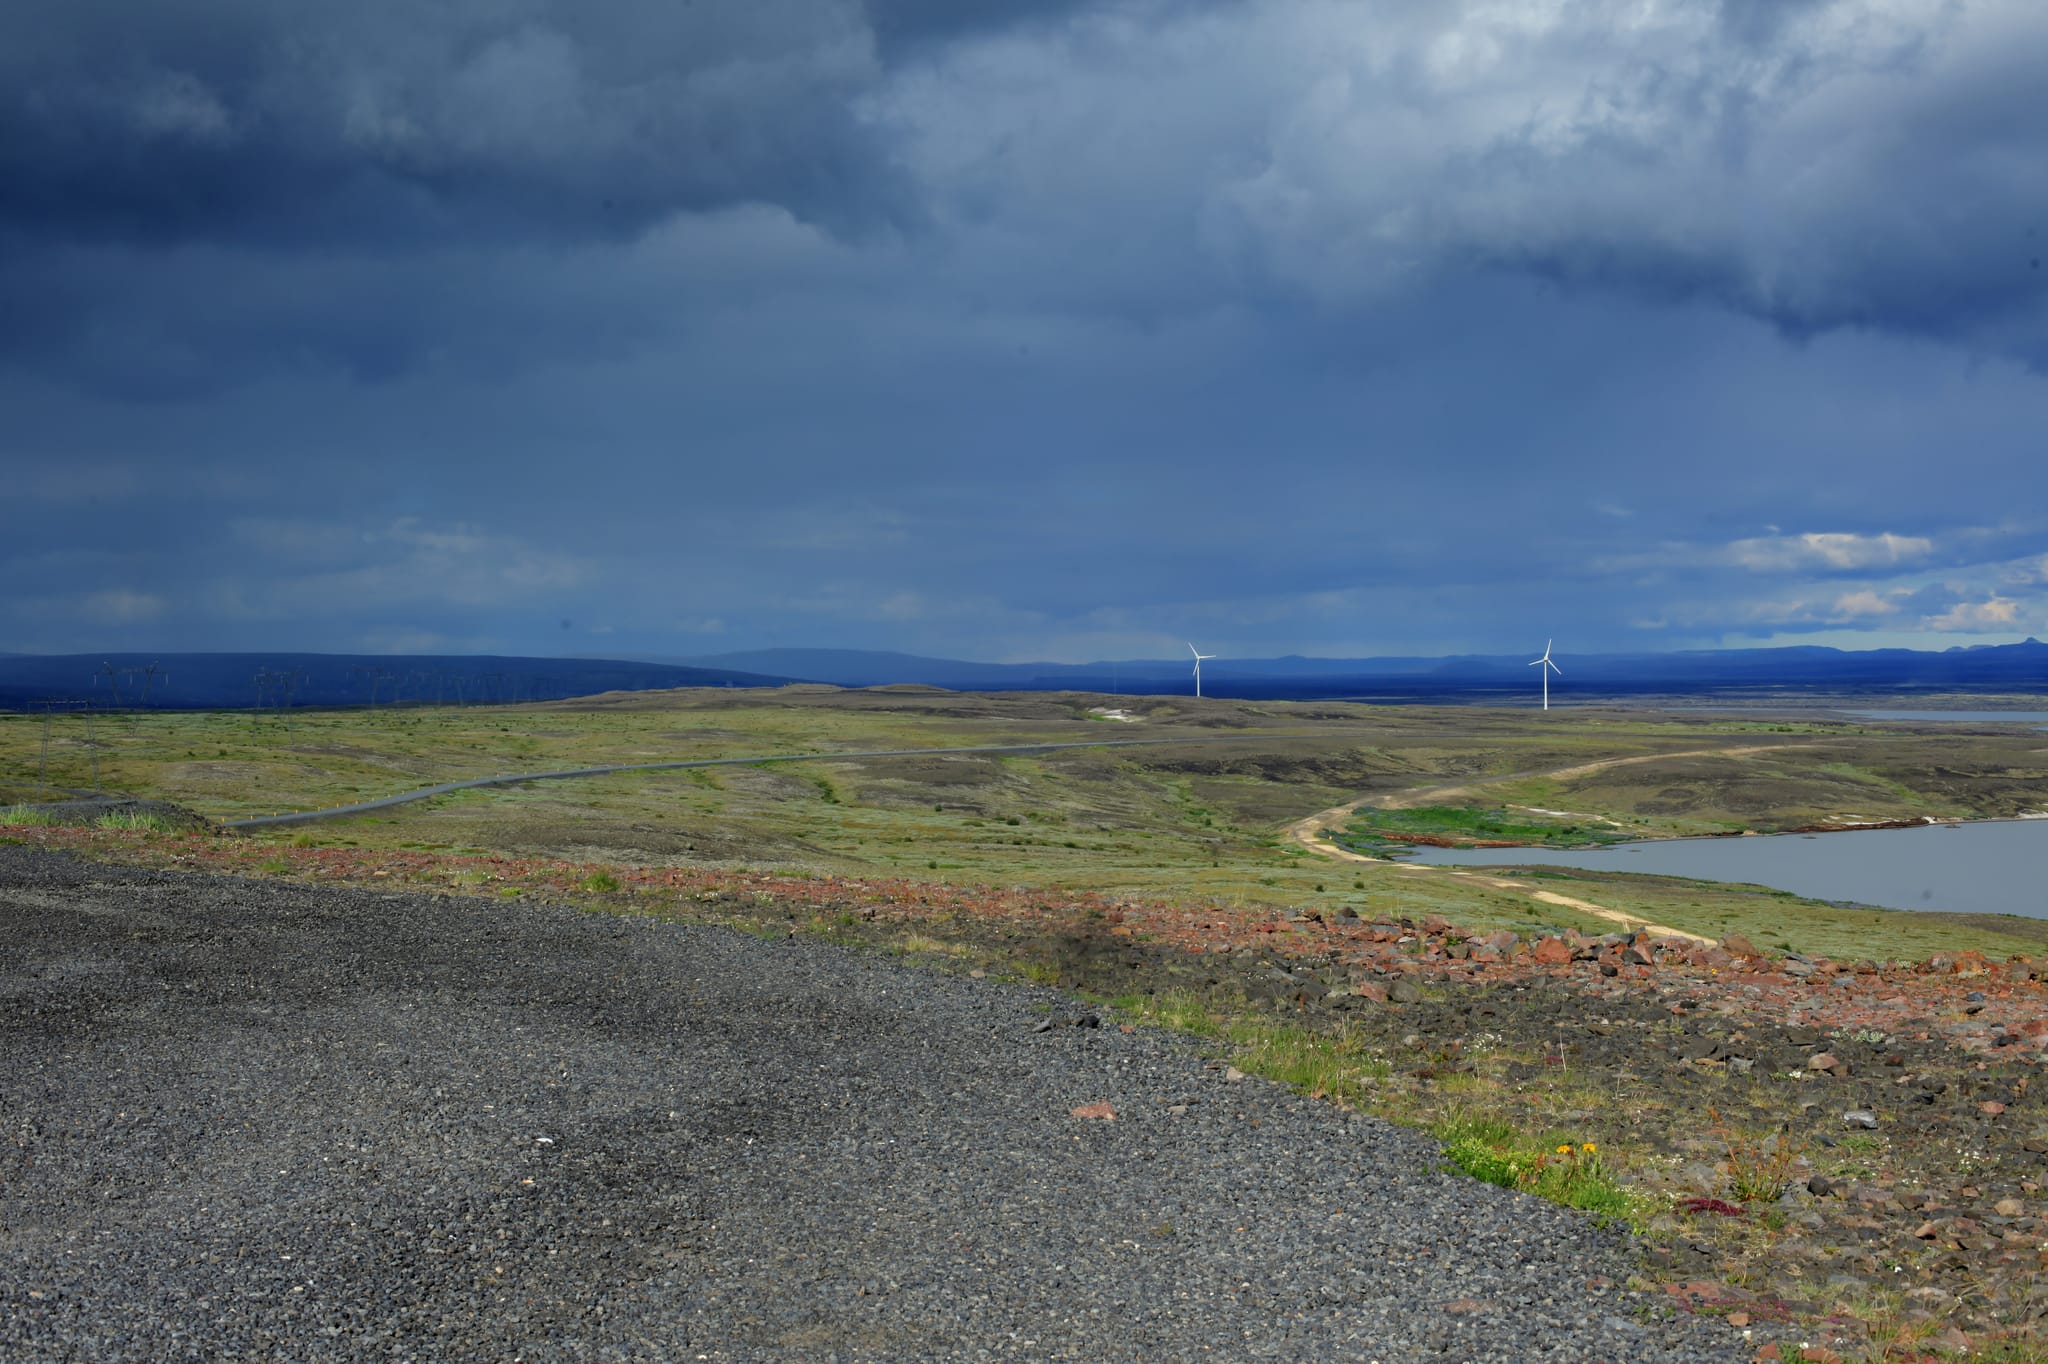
point(514, 779)
point(249, 1120)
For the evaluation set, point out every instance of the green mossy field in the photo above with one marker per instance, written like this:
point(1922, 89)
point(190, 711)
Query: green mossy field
point(1198, 811)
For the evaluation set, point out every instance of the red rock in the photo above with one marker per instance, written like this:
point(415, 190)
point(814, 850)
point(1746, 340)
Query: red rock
point(1738, 1319)
point(1104, 1111)
point(1927, 1231)
point(1770, 1351)
point(1820, 1354)
point(1991, 1108)
point(1458, 1306)
point(1735, 945)
point(1824, 1062)
point(1551, 952)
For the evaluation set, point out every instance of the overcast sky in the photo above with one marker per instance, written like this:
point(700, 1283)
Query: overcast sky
point(1022, 329)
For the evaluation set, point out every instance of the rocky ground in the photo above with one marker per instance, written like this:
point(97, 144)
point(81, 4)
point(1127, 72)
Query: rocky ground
point(1840, 1148)
point(255, 1120)
point(1835, 1159)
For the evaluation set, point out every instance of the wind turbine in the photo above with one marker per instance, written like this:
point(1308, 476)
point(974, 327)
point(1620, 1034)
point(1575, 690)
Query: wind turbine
point(1199, 656)
point(1547, 668)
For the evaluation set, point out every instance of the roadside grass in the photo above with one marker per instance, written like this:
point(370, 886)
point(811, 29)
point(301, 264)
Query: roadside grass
point(135, 821)
point(1490, 1149)
point(26, 817)
point(1340, 1066)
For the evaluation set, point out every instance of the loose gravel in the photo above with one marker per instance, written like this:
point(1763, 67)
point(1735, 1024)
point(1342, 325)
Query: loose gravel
point(244, 1120)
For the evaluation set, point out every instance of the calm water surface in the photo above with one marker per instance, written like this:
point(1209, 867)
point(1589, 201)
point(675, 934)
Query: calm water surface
point(1960, 717)
point(1992, 867)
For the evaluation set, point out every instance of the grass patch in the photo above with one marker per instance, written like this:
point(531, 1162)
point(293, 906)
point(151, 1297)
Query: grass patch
point(1494, 1151)
point(144, 821)
point(601, 883)
point(1466, 824)
point(25, 816)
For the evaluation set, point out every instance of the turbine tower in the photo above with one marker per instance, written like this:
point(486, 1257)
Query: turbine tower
point(1199, 656)
point(1547, 668)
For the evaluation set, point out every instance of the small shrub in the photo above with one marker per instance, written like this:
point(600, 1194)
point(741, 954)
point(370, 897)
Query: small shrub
point(1759, 1168)
point(601, 883)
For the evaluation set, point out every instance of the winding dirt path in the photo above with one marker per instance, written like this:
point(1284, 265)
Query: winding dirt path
point(1311, 833)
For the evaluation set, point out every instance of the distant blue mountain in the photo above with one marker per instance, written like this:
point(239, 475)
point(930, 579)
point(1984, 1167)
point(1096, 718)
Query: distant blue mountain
point(228, 681)
point(215, 681)
point(2010, 667)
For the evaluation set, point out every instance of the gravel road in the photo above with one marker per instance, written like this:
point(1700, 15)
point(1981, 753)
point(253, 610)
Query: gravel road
point(246, 1120)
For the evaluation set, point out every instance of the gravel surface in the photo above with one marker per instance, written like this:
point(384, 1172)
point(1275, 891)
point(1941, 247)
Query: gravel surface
point(250, 1120)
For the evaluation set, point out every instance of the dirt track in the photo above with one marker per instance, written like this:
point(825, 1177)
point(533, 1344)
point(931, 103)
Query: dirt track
point(1308, 833)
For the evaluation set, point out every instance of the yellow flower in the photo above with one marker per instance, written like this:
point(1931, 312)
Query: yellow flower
point(1588, 1147)
point(1565, 1149)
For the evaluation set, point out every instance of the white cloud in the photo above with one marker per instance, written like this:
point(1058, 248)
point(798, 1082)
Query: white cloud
point(1991, 614)
point(1852, 605)
point(1827, 550)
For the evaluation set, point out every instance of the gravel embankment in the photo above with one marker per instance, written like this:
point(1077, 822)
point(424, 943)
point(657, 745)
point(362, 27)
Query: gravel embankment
point(247, 1120)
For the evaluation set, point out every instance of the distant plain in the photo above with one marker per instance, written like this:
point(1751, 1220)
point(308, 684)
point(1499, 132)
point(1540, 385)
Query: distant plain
point(1199, 816)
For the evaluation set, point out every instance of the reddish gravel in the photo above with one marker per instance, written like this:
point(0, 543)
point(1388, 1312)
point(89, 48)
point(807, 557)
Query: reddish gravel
point(1965, 1000)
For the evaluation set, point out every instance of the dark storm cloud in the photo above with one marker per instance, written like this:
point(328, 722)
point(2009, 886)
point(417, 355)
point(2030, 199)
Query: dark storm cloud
point(1817, 165)
point(905, 24)
point(1028, 326)
point(386, 120)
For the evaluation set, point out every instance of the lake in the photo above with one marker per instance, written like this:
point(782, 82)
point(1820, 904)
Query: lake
point(1988, 867)
point(1957, 717)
